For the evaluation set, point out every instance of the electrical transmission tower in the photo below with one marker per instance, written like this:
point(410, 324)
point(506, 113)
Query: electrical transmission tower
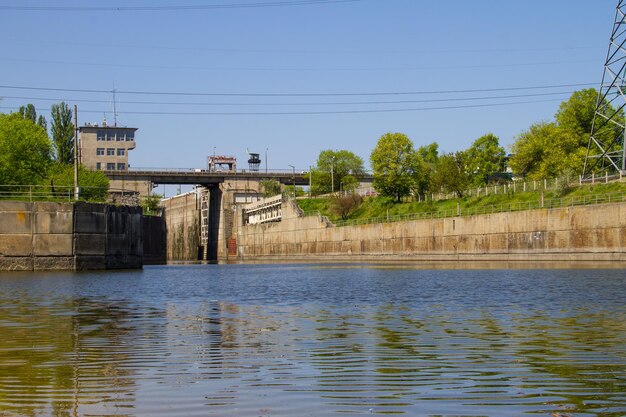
point(606, 153)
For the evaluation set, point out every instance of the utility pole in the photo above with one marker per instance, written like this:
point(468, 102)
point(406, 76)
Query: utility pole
point(293, 169)
point(76, 189)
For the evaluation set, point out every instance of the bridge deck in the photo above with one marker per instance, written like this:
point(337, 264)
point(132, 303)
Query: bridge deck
point(202, 177)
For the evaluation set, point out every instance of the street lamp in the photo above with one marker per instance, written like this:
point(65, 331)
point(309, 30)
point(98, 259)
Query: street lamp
point(266, 160)
point(293, 169)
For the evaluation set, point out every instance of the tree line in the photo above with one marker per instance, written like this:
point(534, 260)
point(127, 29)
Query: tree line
point(547, 149)
point(32, 154)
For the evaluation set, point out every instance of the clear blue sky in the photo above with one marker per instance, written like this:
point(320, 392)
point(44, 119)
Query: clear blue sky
point(353, 47)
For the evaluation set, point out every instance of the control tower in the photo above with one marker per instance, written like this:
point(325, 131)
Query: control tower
point(254, 162)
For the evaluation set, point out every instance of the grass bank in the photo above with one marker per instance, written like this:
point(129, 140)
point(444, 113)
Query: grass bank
point(381, 207)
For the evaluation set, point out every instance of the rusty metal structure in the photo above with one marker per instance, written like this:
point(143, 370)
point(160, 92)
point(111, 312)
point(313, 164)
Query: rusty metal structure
point(606, 154)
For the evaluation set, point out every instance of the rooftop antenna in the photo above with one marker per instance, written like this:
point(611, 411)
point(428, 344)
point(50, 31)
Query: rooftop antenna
point(606, 152)
point(114, 107)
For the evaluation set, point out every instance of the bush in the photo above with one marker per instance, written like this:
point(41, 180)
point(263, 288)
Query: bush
point(343, 205)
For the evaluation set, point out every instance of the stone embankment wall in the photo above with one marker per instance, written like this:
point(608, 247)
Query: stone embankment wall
point(69, 236)
point(586, 233)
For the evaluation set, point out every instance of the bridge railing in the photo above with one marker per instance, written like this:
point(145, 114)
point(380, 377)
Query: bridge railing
point(204, 171)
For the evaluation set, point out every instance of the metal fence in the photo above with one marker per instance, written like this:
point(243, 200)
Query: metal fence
point(61, 193)
point(502, 208)
point(515, 186)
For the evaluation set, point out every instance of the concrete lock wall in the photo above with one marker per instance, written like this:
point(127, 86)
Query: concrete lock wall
point(572, 233)
point(69, 236)
point(182, 219)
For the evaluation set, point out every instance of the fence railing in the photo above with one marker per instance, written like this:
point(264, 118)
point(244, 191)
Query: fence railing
point(61, 193)
point(514, 186)
point(502, 208)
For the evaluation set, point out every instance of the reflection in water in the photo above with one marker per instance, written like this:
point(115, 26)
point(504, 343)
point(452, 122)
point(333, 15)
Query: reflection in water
point(285, 341)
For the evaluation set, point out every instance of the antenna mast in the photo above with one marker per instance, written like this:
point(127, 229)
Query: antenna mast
point(114, 109)
point(606, 152)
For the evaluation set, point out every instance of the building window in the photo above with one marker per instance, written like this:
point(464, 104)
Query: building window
point(120, 136)
point(100, 151)
point(98, 166)
point(110, 166)
point(121, 151)
point(130, 136)
point(101, 135)
point(121, 167)
point(110, 151)
point(110, 135)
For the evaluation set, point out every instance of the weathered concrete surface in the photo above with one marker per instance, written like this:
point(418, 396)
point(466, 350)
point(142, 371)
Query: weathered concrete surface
point(182, 219)
point(69, 236)
point(154, 240)
point(583, 233)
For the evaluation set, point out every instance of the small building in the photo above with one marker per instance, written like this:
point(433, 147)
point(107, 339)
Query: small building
point(106, 148)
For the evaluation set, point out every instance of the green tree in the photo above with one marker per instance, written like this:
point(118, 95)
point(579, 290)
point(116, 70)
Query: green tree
point(270, 188)
point(483, 159)
point(29, 112)
point(396, 166)
point(429, 155)
point(24, 151)
point(62, 130)
point(332, 168)
point(451, 173)
point(94, 185)
point(576, 114)
point(546, 150)
point(41, 121)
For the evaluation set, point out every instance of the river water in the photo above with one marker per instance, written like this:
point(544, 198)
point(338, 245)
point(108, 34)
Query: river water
point(304, 340)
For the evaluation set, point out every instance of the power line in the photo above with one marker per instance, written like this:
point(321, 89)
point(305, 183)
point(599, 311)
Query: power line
point(298, 69)
point(175, 7)
point(392, 93)
point(338, 103)
point(165, 113)
point(387, 51)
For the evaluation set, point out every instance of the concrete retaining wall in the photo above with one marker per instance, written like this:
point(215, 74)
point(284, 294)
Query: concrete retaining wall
point(69, 236)
point(572, 233)
point(154, 240)
point(182, 219)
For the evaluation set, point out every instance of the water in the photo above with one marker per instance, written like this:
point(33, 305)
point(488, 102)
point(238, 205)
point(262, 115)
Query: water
point(266, 340)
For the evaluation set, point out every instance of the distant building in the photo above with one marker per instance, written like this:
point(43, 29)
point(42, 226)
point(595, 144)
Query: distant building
point(106, 148)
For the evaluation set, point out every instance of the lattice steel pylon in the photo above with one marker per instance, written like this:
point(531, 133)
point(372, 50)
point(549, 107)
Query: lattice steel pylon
point(606, 153)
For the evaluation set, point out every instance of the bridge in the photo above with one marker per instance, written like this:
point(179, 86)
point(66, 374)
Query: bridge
point(220, 191)
point(160, 176)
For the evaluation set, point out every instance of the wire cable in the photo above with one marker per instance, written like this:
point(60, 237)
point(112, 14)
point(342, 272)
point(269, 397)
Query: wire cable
point(163, 113)
point(174, 7)
point(391, 93)
point(343, 103)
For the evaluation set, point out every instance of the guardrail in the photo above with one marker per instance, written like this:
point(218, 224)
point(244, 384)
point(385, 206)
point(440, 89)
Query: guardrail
point(474, 211)
point(58, 193)
point(204, 171)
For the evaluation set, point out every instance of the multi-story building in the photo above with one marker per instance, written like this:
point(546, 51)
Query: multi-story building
point(106, 148)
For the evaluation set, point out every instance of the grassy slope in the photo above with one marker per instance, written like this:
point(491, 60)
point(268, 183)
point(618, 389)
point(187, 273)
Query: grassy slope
point(380, 207)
